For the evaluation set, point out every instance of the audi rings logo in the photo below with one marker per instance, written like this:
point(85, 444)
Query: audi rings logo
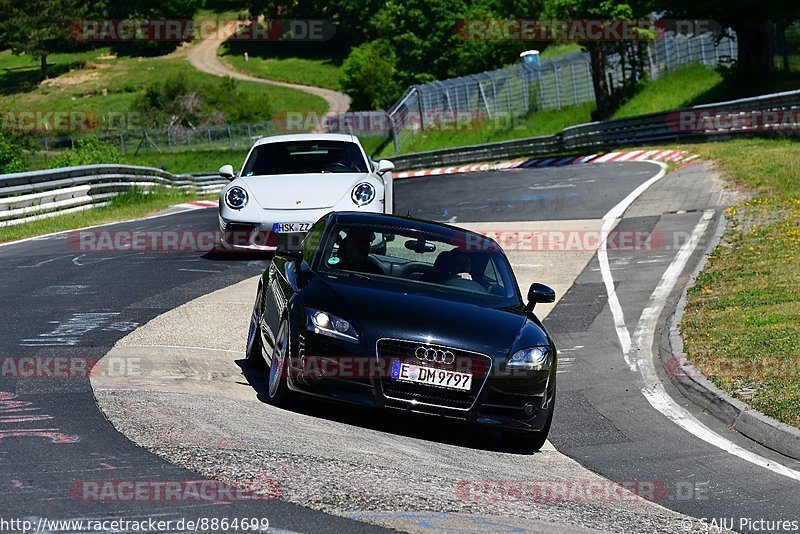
point(435, 355)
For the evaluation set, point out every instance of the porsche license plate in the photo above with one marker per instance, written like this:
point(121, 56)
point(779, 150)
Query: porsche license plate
point(290, 228)
point(406, 372)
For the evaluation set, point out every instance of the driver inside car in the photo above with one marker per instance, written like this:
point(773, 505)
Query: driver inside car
point(354, 253)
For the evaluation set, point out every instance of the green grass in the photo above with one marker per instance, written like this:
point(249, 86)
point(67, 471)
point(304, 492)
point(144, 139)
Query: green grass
point(540, 123)
point(674, 90)
point(108, 85)
point(208, 161)
point(276, 62)
point(129, 205)
point(742, 324)
point(560, 49)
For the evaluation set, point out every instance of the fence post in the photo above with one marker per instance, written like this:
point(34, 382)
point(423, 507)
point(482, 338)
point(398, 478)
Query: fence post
point(122, 142)
point(393, 133)
point(230, 138)
point(508, 95)
point(485, 102)
point(541, 92)
point(419, 109)
point(558, 86)
point(494, 96)
point(525, 92)
point(574, 84)
point(702, 50)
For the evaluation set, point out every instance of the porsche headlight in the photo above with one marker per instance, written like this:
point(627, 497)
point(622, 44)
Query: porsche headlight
point(530, 359)
point(327, 324)
point(236, 198)
point(363, 194)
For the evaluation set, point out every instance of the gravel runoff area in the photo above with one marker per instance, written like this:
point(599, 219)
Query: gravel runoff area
point(192, 401)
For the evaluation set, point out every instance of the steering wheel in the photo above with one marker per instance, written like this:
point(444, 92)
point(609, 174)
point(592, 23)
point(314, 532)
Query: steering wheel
point(336, 165)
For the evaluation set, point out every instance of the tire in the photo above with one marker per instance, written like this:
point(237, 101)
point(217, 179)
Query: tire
point(254, 352)
point(277, 390)
point(532, 441)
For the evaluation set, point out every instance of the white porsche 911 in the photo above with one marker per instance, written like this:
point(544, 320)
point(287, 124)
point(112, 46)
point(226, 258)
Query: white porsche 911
point(290, 181)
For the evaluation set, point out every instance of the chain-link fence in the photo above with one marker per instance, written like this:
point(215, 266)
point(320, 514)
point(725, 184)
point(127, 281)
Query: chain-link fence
point(225, 137)
point(553, 84)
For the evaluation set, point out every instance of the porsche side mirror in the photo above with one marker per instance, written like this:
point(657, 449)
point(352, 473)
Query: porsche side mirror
point(384, 166)
point(540, 293)
point(226, 171)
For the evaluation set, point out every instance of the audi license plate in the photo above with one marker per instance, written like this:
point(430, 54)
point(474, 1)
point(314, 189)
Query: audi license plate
point(406, 372)
point(290, 228)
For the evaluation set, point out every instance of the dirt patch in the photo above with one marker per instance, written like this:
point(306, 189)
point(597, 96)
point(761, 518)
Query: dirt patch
point(72, 78)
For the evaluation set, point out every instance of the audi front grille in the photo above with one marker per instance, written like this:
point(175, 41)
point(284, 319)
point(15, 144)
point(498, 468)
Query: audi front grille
point(438, 357)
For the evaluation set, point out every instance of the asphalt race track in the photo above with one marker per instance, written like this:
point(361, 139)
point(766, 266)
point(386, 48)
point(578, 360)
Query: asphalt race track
point(58, 301)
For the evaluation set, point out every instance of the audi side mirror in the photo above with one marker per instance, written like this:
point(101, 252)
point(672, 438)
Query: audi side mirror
point(540, 293)
point(295, 256)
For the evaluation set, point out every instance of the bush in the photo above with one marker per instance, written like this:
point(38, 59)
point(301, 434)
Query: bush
point(10, 157)
point(178, 102)
point(369, 76)
point(88, 151)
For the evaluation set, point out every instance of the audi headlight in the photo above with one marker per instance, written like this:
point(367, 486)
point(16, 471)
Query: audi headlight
point(327, 324)
point(363, 194)
point(530, 359)
point(236, 198)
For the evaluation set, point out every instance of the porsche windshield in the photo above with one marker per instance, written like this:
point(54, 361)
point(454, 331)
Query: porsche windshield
point(304, 157)
point(463, 263)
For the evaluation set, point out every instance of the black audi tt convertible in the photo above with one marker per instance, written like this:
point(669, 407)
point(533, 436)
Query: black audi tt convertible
point(399, 313)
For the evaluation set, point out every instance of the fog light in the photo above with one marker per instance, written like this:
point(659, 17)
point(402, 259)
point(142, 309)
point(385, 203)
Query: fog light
point(528, 408)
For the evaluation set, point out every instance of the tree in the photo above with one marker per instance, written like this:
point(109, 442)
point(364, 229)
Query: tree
point(178, 10)
point(752, 20)
point(37, 27)
point(604, 10)
point(369, 75)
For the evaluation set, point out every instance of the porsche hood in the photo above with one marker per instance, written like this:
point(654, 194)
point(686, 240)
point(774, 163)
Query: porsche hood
point(305, 191)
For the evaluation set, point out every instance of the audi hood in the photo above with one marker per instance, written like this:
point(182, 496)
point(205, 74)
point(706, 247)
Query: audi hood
point(433, 318)
point(306, 191)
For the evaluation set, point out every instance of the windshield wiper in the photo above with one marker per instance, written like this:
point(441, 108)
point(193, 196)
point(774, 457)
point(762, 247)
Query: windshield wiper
point(353, 274)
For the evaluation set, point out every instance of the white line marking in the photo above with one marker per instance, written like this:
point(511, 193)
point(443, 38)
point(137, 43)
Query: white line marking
point(653, 390)
point(42, 262)
point(199, 271)
point(609, 220)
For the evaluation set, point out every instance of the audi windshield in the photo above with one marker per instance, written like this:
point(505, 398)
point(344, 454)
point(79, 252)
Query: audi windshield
point(464, 263)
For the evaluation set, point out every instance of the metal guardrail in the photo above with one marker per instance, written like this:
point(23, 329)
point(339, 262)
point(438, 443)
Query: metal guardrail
point(29, 196)
point(749, 116)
